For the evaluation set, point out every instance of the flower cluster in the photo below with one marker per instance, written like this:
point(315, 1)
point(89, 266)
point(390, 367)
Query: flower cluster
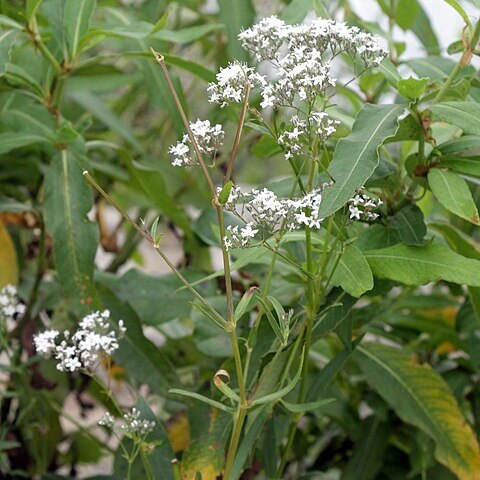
point(268, 212)
point(361, 207)
point(232, 82)
point(208, 139)
point(82, 349)
point(10, 307)
point(299, 52)
point(131, 423)
point(293, 138)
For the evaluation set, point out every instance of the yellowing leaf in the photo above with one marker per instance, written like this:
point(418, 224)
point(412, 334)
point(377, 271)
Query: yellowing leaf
point(179, 432)
point(421, 397)
point(8, 258)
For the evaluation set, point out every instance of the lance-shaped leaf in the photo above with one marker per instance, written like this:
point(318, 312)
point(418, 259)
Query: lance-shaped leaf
point(67, 202)
point(464, 115)
point(236, 16)
point(453, 193)
point(353, 273)
point(420, 265)
point(356, 156)
point(7, 40)
point(420, 397)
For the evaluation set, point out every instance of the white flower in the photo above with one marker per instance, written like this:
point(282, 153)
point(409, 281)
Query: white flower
point(135, 425)
point(82, 349)
point(300, 54)
point(131, 423)
point(208, 139)
point(271, 213)
point(107, 420)
point(10, 307)
point(232, 83)
point(45, 341)
point(361, 205)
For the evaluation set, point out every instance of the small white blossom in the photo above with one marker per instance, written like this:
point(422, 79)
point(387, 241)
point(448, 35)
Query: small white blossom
point(268, 212)
point(131, 422)
point(361, 205)
point(300, 53)
point(208, 139)
point(82, 349)
point(107, 420)
point(10, 307)
point(135, 425)
point(232, 82)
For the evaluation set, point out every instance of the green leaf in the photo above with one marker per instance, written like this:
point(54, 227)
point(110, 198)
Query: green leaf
point(201, 398)
point(356, 156)
point(296, 11)
point(160, 459)
point(69, 21)
point(153, 185)
point(420, 397)
point(248, 442)
point(31, 8)
point(324, 378)
point(421, 265)
point(368, 454)
point(306, 407)
point(236, 16)
point(244, 303)
point(96, 107)
point(406, 12)
point(423, 30)
point(320, 9)
point(187, 35)
point(142, 360)
point(279, 394)
point(454, 4)
point(142, 292)
point(465, 145)
point(437, 68)
point(464, 115)
point(412, 87)
point(353, 273)
point(68, 200)
point(7, 39)
point(11, 140)
point(409, 224)
point(188, 65)
point(453, 193)
point(389, 71)
point(76, 22)
point(459, 241)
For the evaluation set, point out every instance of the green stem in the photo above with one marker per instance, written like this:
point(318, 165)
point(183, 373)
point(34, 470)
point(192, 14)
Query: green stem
point(238, 135)
point(464, 61)
point(150, 240)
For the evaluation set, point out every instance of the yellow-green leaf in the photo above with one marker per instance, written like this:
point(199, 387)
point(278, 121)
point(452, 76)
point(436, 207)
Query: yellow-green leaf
point(421, 397)
point(8, 258)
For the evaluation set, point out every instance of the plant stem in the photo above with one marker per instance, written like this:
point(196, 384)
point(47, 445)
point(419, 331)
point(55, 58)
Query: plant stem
point(463, 62)
point(231, 323)
point(238, 135)
point(150, 240)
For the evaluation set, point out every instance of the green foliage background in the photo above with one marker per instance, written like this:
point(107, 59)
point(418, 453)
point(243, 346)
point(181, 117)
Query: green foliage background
point(80, 90)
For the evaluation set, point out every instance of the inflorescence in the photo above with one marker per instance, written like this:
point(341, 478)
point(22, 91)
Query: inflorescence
point(208, 139)
point(267, 212)
point(361, 207)
point(131, 422)
point(302, 57)
point(10, 307)
point(82, 349)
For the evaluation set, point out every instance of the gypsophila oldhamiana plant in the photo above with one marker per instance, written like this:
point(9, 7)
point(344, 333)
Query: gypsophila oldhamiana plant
point(309, 178)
